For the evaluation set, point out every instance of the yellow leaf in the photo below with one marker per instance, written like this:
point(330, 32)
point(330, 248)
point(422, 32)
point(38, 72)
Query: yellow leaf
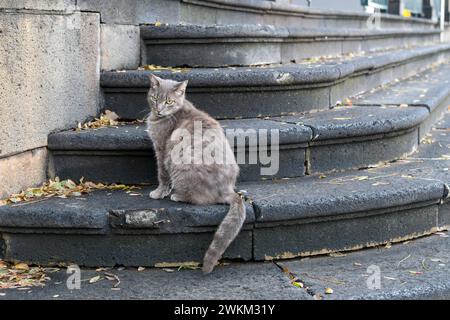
point(21, 266)
point(157, 24)
point(329, 291)
point(94, 279)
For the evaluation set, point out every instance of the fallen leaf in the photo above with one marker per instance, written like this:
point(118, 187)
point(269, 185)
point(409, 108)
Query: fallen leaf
point(63, 189)
point(415, 272)
point(337, 254)
point(94, 279)
point(179, 265)
point(21, 266)
point(141, 269)
point(298, 284)
point(329, 291)
point(152, 67)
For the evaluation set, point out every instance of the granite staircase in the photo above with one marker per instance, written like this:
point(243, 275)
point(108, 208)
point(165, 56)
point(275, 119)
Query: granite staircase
point(346, 104)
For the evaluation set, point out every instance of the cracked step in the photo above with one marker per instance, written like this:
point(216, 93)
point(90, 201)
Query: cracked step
point(249, 92)
point(245, 45)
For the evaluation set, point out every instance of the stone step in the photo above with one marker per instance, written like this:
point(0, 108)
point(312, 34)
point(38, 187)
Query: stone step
point(286, 218)
point(338, 139)
point(245, 45)
point(250, 92)
point(382, 125)
point(352, 276)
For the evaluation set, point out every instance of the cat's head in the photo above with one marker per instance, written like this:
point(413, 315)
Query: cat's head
point(165, 97)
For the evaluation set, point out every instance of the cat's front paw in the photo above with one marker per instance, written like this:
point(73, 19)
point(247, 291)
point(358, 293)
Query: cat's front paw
point(160, 193)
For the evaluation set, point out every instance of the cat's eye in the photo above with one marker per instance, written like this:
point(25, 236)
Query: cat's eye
point(170, 102)
point(154, 98)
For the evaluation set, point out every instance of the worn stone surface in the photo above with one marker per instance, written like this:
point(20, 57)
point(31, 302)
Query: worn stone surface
point(346, 122)
point(93, 210)
point(232, 92)
point(57, 5)
point(411, 270)
point(262, 281)
point(22, 170)
point(134, 12)
point(314, 197)
point(425, 89)
point(120, 47)
point(49, 76)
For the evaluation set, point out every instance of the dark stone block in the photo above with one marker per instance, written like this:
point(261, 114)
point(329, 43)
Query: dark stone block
point(125, 154)
point(359, 154)
point(343, 234)
point(212, 54)
point(444, 216)
point(106, 167)
point(226, 103)
point(111, 250)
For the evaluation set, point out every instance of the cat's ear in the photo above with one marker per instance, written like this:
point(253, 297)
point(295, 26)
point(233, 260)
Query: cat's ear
point(155, 82)
point(180, 88)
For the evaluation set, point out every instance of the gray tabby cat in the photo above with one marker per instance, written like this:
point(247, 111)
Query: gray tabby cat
point(195, 182)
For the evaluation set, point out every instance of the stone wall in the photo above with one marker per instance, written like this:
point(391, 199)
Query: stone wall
point(49, 80)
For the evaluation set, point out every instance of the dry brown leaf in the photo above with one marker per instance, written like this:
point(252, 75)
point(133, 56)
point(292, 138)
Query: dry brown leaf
point(63, 189)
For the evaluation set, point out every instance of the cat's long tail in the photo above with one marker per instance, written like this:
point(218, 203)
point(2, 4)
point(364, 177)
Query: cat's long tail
point(225, 234)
